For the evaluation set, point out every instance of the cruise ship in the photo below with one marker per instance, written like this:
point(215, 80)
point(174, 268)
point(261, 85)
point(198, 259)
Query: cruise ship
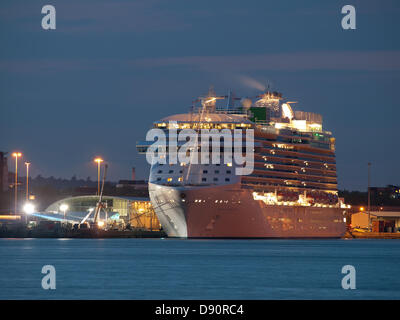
point(290, 193)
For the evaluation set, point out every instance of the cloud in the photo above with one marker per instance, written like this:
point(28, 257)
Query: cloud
point(96, 16)
point(120, 16)
point(297, 61)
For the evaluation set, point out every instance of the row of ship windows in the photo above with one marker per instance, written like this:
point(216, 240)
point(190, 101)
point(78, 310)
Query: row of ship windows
point(272, 154)
point(202, 179)
point(324, 166)
point(215, 179)
point(217, 201)
point(204, 171)
point(250, 185)
point(300, 155)
point(297, 139)
point(301, 152)
point(170, 171)
point(297, 179)
point(272, 151)
point(303, 171)
point(204, 164)
point(322, 145)
point(294, 149)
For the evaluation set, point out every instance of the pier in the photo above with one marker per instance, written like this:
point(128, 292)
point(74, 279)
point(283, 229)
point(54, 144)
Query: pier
point(20, 230)
point(371, 235)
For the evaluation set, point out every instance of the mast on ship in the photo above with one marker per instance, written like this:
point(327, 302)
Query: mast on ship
point(209, 102)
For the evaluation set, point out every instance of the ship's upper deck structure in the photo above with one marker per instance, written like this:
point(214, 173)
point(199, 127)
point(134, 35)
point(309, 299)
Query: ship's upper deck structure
point(294, 159)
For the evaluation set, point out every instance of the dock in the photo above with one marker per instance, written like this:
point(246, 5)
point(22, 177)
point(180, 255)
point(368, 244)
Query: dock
point(22, 231)
point(371, 235)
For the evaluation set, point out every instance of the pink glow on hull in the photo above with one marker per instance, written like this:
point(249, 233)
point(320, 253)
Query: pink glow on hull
point(221, 215)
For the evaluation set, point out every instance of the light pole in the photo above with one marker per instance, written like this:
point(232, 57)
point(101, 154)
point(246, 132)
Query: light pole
point(29, 208)
point(27, 180)
point(64, 207)
point(16, 155)
point(99, 161)
point(369, 195)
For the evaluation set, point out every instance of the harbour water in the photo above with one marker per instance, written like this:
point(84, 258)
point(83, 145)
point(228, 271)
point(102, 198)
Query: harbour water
point(199, 269)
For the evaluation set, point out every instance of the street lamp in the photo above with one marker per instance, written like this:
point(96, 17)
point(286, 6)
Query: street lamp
point(27, 180)
point(369, 196)
point(64, 207)
point(16, 155)
point(29, 208)
point(99, 161)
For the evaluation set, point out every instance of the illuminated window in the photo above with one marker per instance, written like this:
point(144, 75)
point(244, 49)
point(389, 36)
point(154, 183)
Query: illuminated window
point(229, 164)
point(169, 179)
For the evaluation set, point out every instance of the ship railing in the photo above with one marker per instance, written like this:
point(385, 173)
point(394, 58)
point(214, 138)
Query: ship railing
point(231, 111)
point(222, 110)
point(267, 128)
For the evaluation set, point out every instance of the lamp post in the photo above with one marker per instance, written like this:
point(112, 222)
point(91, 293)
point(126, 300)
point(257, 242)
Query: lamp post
point(16, 155)
point(369, 195)
point(27, 180)
point(99, 161)
point(64, 207)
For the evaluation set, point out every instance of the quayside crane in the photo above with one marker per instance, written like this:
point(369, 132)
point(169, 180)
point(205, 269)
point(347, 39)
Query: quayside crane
point(99, 206)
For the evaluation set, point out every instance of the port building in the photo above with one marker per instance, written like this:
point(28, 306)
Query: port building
point(134, 211)
point(381, 221)
point(3, 172)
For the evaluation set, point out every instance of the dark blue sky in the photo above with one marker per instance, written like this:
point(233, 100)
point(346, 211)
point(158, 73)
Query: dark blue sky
point(95, 84)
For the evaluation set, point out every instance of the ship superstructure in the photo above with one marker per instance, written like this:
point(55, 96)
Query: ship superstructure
point(291, 192)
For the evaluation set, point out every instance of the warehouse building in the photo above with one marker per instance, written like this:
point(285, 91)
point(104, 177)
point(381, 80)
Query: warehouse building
point(3, 172)
point(381, 221)
point(133, 211)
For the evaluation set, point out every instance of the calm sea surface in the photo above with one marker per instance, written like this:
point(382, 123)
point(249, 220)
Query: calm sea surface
point(199, 269)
